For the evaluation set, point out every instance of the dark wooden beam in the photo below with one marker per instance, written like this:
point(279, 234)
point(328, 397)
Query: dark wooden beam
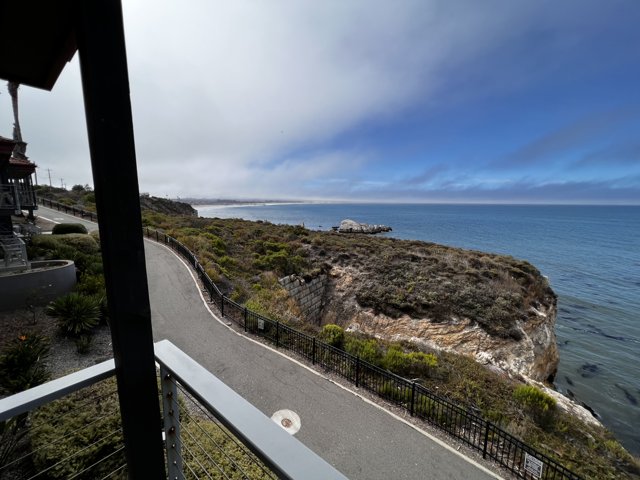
point(105, 82)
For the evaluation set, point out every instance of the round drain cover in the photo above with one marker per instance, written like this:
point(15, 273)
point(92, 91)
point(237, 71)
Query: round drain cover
point(288, 420)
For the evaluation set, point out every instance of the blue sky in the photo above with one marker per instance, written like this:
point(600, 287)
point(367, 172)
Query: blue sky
point(425, 101)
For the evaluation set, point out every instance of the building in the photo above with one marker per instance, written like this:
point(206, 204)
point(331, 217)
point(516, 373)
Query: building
point(16, 195)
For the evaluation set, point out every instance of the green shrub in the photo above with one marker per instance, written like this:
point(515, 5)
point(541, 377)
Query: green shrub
point(413, 364)
point(91, 285)
point(333, 335)
point(22, 363)
point(80, 241)
point(63, 228)
point(207, 447)
point(395, 360)
point(367, 349)
point(93, 415)
point(76, 314)
point(541, 405)
point(421, 363)
point(83, 344)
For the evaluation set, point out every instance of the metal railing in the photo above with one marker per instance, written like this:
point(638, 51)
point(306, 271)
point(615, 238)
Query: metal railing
point(14, 251)
point(210, 431)
point(50, 431)
point(419, 401)
point(61, 207)
point(16, 196)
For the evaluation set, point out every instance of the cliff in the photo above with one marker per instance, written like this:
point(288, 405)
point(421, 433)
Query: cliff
point(496, 309)
point(166, 206)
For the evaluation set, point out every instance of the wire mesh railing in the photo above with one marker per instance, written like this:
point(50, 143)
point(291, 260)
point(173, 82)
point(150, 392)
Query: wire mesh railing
point(207, 448)
point(77, 435)
point(70, 428)
point(478, 433)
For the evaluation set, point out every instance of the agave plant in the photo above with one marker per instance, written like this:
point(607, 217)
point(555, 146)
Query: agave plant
point(76, 314)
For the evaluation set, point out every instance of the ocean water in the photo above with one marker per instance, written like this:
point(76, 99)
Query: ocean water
point(591, 255)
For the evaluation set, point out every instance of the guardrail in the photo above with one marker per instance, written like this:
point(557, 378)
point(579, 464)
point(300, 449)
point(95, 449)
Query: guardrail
point(61, 207)
point(468, 427)
point(210, 431)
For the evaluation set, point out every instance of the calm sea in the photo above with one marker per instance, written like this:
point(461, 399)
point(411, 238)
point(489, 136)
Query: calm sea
point(591, 255)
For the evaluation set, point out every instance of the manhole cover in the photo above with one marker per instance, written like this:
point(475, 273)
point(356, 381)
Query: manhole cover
point(288, 420)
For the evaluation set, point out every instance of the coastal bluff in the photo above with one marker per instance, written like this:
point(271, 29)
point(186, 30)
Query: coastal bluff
point(496, 309)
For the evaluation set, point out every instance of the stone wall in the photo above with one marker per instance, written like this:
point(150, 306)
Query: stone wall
point(309, 295)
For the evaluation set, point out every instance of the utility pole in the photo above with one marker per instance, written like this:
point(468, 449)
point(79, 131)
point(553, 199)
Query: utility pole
point(62, 183)
point(49, 172)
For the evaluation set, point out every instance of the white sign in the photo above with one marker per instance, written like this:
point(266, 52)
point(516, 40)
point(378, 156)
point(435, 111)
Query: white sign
point(260, 324)
point(533, 465)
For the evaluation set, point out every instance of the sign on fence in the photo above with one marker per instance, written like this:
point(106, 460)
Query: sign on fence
point(260, 324)
point(533, 465)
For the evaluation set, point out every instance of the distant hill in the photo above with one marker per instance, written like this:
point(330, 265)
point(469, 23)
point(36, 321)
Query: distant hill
point(83, 197)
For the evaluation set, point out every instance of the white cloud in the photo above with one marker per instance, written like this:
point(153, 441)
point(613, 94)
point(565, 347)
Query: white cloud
point(226, 94)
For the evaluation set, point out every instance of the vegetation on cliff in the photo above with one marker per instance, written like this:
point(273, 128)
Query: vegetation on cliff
point(83, 197)
point(395, 277)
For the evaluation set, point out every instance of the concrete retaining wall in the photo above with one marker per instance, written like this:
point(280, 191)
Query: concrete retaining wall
point(309, 295)
point(45, 281)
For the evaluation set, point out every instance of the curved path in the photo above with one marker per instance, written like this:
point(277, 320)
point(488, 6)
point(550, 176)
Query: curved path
point(360, 439)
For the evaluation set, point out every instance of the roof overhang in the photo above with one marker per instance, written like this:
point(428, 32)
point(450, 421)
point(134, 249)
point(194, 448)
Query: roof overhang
point(38, 39)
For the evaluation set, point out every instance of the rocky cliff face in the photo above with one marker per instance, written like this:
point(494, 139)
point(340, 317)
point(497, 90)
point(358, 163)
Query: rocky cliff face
point(533, 356)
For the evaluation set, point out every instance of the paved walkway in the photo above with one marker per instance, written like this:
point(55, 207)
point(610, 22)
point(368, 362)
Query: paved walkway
point(358, 438)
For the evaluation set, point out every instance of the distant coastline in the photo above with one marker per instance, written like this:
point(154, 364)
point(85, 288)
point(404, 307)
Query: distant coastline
point(220, 202)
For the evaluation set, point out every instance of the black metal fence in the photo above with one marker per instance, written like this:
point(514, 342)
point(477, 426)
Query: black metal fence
point(76, 212)
point(466, 426)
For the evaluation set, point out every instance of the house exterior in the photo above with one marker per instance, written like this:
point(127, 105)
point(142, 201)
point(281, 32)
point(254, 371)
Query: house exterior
point(16, 194)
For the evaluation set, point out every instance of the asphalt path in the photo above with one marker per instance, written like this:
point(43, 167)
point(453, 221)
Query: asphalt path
point(359, 438)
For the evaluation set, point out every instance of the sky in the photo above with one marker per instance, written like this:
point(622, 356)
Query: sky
point(498, 101)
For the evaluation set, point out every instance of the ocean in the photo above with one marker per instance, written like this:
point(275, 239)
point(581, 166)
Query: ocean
point(591, 255)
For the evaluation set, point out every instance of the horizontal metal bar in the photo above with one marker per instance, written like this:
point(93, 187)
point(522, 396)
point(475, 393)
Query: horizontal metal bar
point(282, 453)
point(47, 392)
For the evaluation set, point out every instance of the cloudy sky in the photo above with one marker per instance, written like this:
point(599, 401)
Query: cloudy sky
point(427, 100)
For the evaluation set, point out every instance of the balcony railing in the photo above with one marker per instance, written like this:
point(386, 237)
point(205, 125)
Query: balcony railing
point(70, 428)
point(16, 196)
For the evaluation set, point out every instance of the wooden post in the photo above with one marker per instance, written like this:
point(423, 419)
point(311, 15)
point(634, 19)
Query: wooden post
point(105, 83)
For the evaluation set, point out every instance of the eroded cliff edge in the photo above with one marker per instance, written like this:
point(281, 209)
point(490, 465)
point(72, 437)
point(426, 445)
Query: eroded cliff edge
point(494, 308)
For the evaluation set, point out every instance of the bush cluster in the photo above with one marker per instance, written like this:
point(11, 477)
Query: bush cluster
point(63, 228)
point(541, 405)
point(93, 414)
point(23, 363)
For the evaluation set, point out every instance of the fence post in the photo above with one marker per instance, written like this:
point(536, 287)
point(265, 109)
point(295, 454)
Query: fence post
point(277, 334)
point(171, 417)
point(413, 398)
point(313, 352)
point(486, 439)
point(357, 371)
point(156, 235)
point(222, 305)
point(245, 319)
